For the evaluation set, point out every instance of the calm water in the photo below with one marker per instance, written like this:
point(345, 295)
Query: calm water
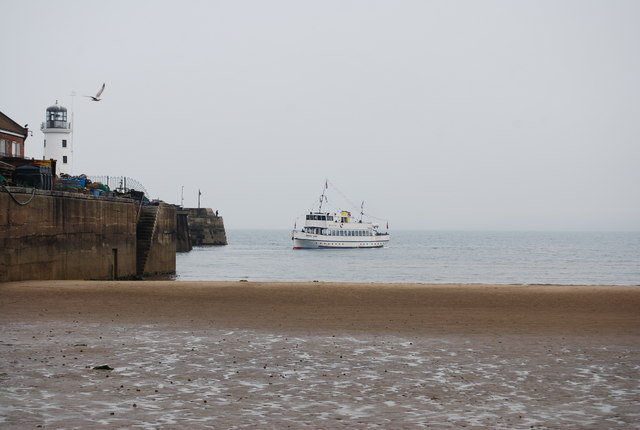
point(588, 258)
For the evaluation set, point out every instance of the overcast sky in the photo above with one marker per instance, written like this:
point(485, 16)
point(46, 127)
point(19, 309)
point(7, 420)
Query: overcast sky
point(460, 115)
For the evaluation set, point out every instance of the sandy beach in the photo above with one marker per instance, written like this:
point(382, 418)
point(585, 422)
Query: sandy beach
point(318, 355)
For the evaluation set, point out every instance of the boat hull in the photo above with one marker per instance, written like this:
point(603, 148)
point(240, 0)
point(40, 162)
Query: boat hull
point(316, 241)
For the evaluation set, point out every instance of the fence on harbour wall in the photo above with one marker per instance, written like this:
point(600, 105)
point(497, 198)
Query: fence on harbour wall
point(122, 184)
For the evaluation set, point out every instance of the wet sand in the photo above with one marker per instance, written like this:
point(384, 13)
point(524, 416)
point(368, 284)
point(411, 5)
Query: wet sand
point(318, 355)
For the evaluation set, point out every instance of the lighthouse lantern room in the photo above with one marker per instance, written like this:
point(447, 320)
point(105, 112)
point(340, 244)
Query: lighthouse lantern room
point(57, 138)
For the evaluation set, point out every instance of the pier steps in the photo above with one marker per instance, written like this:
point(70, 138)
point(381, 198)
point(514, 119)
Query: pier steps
point(146, 227)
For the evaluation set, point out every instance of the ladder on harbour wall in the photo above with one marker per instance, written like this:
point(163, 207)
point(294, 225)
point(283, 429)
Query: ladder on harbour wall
point(146, 227)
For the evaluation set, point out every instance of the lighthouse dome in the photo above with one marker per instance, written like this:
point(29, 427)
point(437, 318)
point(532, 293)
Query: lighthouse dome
point(56, 108)
point(56, 116)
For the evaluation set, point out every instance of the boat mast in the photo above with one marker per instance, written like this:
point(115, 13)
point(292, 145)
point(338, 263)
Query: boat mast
point(322, 197)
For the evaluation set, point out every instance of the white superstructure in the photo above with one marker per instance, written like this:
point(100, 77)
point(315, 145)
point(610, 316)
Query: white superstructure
point(58, 142)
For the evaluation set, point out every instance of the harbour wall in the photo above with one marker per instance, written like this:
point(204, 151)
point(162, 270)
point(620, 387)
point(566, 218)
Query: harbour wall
point(183, 239)
point(60, 235)
point(162, 253)
point(205, 227)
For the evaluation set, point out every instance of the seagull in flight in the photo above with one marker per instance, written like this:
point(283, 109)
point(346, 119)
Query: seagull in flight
point(97, 98)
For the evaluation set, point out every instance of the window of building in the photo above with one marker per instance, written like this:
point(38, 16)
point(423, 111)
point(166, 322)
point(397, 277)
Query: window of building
point(64, 143)
point(64, 159)
point(4, 147)
point(45, 143)
point(16, 149)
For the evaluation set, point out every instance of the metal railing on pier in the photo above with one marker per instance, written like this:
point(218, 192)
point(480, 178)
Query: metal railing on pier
point(121, 184)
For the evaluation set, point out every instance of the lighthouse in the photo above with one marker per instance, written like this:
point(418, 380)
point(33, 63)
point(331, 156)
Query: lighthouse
point(58, 143)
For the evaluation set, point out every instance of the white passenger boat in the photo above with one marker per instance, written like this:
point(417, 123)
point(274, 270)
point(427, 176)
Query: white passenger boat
point(337, 230)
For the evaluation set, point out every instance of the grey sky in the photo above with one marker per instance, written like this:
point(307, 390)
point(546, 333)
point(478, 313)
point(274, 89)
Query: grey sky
point(475, 115)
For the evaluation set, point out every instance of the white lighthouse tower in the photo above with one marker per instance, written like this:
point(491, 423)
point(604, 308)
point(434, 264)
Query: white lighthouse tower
point(58, 143)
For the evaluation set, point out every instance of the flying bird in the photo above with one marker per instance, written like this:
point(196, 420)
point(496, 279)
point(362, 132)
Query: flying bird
point(97, 98)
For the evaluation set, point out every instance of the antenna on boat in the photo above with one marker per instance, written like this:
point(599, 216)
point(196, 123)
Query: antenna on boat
point(361, 210)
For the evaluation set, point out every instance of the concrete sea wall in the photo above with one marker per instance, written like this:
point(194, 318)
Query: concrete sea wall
point(59, 235)
point(183, 238)
point(205, 227)
point(162, 255)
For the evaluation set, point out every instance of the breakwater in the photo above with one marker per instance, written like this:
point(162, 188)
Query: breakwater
point(199, 227)
point(61, 235)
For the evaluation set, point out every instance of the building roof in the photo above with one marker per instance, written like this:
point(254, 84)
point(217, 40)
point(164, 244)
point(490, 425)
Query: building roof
point(12, 127)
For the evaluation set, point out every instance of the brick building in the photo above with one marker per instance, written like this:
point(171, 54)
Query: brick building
point(12, 137)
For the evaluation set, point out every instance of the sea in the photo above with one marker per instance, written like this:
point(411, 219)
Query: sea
point(554, 258)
